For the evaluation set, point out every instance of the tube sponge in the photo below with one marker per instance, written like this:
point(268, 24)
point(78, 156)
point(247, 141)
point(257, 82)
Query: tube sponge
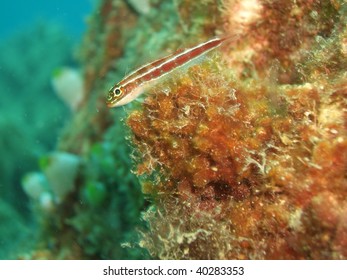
point(61, 170)
point(34, 184)
point(68, 85)
point(141, 6)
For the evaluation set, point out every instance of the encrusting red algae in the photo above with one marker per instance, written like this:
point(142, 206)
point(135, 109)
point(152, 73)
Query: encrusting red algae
point(246, 168)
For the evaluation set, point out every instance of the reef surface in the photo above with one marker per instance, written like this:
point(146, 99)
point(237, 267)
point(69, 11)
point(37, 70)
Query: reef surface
point(241, 155)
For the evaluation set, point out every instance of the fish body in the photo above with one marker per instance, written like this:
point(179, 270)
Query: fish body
point(133, 84)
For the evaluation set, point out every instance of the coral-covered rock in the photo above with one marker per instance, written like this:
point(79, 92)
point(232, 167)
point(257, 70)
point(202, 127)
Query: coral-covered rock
point(242, 154)
point(340, 242)
point(264, 159)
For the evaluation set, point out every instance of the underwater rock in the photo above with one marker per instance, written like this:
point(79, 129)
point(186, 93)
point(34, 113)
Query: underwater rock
point(241, 14)
point(254, 156)
point(95, 193)
point(237, 154)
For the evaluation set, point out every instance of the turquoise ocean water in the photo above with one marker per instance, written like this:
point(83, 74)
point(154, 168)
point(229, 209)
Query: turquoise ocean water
point(36, 38)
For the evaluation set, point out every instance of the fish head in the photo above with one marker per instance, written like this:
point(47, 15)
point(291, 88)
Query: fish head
point(115, 94)
point(121, 94)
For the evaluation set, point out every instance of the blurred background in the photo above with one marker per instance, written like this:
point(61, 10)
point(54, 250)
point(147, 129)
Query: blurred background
point(39, 41)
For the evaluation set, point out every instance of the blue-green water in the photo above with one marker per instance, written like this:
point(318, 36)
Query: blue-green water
point(17, 15)
point(36, 38)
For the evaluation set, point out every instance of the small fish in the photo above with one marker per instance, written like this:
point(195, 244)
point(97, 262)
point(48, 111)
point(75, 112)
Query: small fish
point(133, 84)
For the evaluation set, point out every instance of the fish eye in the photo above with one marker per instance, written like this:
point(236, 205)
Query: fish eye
point(117, 91)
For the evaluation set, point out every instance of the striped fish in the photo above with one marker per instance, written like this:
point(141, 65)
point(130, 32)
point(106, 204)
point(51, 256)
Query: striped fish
point(133, 84)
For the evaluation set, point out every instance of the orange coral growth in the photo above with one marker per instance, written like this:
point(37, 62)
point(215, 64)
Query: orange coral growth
point(278, 31)
point(244, 155)
point(258, 158)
